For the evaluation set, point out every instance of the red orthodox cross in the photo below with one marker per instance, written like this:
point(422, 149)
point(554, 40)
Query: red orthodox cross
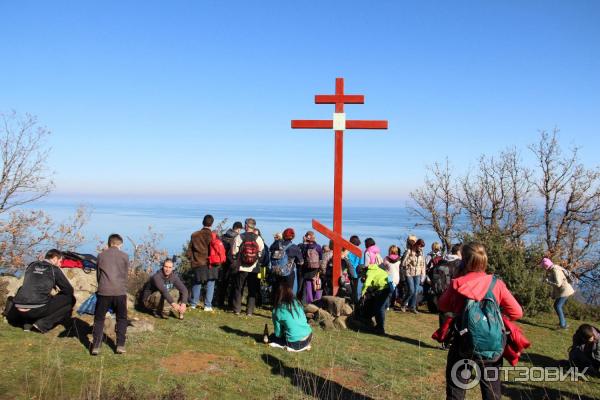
point(338, 124)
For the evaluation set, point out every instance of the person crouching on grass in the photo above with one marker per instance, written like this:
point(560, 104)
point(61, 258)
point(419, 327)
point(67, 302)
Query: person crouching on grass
point(376, 291)
point(113, 267)
point(162, 286)
point(291, 329)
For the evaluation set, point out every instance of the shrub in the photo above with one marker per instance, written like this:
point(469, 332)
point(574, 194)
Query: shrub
point(517, 266)
point(577, 310)
point(3, 294)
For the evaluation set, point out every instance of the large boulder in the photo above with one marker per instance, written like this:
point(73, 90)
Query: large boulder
point(336, 306)
point(13, 284)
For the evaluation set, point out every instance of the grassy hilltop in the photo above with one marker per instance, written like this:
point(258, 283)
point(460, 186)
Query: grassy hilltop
point(220, 356)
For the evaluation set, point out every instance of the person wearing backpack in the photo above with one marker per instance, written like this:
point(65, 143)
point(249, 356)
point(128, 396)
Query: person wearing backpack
point(440, 277)
point(312, 254)
point(34, 306)
point(227, 270)
point(413, 263)
point(479, 301)
point(391, 264)
point(285, 258)
point(198, 253)
point(559, 279)
point(376, 290)
point(247, 250)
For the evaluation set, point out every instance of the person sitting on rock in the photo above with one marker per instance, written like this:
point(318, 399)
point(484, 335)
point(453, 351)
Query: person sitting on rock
point(164, 285)
point(291, 329)
point(34, 306)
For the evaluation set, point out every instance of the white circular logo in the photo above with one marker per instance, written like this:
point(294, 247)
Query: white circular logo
point(465, 374)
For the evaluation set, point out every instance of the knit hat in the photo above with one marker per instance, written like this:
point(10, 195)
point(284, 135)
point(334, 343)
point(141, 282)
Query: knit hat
point(546, 263)
point(289, 234)
point(412, 239)
point(310, 236)
point(277, 236)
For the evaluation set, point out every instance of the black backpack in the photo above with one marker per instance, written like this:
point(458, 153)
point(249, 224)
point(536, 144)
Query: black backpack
point(440, 278)
point(38, 282)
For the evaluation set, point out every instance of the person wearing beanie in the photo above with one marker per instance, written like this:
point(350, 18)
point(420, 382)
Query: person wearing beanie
point(556, 276)
point(294, 259)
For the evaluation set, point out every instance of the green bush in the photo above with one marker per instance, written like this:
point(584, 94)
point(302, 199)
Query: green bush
point(577, 310)
point(517, 266)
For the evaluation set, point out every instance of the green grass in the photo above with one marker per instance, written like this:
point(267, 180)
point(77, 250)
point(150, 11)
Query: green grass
point(221, 359)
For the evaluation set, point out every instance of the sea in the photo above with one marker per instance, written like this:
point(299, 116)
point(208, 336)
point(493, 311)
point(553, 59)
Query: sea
point(175, 222)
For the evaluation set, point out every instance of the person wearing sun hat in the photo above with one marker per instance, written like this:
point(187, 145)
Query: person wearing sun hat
point(561, 288)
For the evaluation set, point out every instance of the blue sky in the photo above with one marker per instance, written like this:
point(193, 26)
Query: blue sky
point(194, 99)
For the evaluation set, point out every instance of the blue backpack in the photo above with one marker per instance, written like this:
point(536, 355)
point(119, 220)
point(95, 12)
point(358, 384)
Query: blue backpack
point(281, 265)
point(481, 328)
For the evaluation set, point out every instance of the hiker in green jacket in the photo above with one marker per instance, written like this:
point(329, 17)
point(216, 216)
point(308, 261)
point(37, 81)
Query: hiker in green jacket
point(375, 295)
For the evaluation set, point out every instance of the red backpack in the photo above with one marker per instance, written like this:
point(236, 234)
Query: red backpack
point(249, 249)
point(216, 251)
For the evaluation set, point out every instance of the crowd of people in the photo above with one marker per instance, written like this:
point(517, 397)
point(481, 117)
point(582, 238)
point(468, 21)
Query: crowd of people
point(290, 275)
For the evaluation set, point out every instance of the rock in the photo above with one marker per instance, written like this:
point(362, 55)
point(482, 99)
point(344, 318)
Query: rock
point(340, 322)
point(140, 325)
point(311, 308)
point(327, 324)
point(80, 280)
point(336, 306)
point(13, 282)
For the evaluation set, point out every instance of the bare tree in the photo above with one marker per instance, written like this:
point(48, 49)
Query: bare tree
point(497, 197)
point(26, 234)
point(571, 196)
point(24, 176)
point(437, 202)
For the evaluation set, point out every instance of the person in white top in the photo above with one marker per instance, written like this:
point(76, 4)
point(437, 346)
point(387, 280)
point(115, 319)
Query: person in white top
point(247, 251)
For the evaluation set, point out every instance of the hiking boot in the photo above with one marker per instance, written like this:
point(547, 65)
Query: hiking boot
point(95, 351)
point(121, 350)
point(37, 328)
point(209, 309)
point(414, 311)
point(27, 327)
point(403, 308)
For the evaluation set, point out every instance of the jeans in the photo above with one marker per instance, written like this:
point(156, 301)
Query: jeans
point(210, 290)
point(414, 288)
point(558, 307)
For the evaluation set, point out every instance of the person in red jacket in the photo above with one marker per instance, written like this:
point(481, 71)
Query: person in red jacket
point(474, 284)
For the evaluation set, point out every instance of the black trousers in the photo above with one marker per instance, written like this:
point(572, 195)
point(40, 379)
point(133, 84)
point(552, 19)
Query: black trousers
point(490, 389)
point(223, 290)
point(240, 280)
point(48, 316)
point(119, 306)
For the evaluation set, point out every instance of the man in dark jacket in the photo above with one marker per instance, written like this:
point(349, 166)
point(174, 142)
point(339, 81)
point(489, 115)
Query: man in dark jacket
point(224, 290)
point(33, 305)
point(162, 286)
point(197, 253)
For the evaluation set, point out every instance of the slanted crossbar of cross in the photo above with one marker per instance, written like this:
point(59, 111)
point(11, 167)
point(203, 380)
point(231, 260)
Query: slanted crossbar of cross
point(339, 124)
